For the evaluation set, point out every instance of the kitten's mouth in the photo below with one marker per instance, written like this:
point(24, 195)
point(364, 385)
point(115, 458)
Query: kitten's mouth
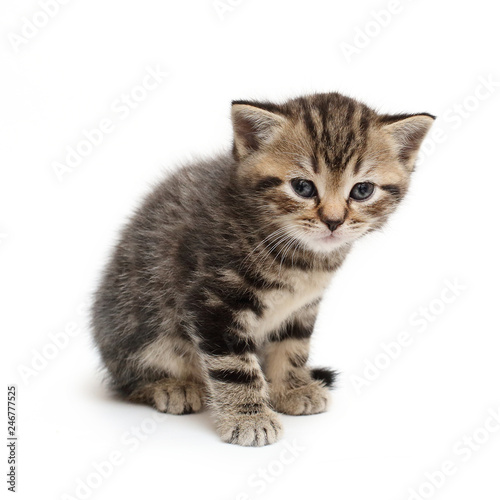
point(330, 237)
point(327, 241)
point(330, 241)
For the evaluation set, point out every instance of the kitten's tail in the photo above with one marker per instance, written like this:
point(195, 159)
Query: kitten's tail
point(325, 375)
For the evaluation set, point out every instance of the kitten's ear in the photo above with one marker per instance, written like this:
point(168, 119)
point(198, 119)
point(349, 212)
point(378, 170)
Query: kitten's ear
point(253, 126)
point(408, 132)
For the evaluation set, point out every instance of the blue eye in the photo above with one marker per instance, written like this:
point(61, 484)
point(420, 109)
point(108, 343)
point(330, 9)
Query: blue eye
point(362, 191)
point(304, 188)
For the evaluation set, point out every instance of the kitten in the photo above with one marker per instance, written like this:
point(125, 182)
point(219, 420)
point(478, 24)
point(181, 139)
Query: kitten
point(212, 292)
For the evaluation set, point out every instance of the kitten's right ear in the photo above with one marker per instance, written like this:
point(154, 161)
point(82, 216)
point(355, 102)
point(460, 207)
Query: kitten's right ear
point(408, 132)
point(253, 126)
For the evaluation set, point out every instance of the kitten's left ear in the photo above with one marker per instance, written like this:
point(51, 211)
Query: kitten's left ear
point(408, 132)
point(254, 124)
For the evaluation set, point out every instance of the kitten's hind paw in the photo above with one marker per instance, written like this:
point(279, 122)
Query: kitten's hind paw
point(178, 397)
point(250, 429)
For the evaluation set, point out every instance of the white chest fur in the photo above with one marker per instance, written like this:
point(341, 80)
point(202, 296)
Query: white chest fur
point(280, 305)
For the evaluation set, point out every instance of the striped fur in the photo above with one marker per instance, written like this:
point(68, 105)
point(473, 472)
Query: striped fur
point(211, 294)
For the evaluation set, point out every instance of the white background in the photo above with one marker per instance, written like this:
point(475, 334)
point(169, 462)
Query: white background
point(379, 441)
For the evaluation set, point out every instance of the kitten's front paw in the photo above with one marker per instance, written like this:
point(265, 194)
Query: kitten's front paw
point(256, 429)
point(305, 400)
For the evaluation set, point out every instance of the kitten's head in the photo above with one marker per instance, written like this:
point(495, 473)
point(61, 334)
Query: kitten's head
point(324, 169)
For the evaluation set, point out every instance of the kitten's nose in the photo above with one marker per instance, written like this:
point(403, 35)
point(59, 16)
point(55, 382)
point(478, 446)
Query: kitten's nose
point(333, 223)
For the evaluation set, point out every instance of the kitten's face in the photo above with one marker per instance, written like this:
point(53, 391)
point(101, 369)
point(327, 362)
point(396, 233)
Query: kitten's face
point(325, 169)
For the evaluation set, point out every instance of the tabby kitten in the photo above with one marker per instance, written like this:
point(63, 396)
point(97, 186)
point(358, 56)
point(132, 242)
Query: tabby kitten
point(213, 290)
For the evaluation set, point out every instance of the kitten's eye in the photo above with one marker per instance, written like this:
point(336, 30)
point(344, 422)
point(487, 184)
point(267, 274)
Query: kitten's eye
point(304, 188)
point(362, 191)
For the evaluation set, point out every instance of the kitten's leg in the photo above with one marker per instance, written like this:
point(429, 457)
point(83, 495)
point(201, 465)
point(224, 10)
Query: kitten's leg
point(224, 315)
point(238, 395)
point(238, 392)
point(295, 389)
point(166, 375)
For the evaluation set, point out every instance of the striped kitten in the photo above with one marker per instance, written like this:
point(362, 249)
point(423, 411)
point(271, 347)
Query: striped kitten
point(213, 290)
